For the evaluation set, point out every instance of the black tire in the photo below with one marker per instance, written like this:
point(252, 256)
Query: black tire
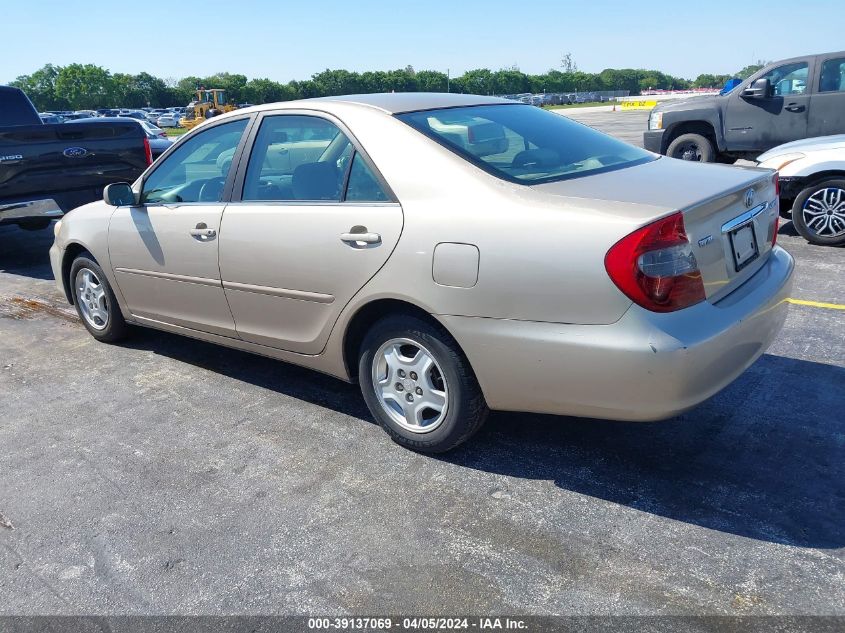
point(115, 327)
point(465, 410)
point(693, 147)
point(836, 226)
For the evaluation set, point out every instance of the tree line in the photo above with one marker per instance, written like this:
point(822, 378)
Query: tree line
point(87, 86)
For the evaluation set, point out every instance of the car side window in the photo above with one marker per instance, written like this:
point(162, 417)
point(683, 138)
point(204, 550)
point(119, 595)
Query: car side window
point(832, 77)
point(197, 170)
point(297, 158)
point(363, 185)
point(789, 79)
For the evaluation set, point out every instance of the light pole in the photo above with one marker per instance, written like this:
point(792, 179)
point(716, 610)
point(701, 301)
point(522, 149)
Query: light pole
point(448, 80)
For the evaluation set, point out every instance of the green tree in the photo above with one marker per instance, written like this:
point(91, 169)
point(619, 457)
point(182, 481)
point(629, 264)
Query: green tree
point(267, 91)
point(40, 87)
point(85, 86)
point(509, 81)
point(432, 81)
point(749, 70)
point(338, 82)
point(125, 92)
point(402, 80)
point(478, 81)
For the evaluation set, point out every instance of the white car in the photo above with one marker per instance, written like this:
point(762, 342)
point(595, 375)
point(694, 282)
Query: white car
point(812, 186)
point(153, 115)
point(168, 120)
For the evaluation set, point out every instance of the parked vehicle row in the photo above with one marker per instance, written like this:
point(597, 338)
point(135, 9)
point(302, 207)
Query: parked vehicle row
point(549, 98)
point(153, 115)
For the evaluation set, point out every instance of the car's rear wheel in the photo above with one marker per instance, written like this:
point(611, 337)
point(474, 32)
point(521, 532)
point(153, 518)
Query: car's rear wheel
point(818, 213)
point(694, 147)
point(419, 386)
point(95, 301)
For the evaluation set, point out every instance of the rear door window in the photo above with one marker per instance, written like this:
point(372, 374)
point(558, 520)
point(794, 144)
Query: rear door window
point(832, 77)
point(363, 186)
point(297, 157)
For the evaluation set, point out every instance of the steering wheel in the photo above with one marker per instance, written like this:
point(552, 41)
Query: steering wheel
point(212, 190)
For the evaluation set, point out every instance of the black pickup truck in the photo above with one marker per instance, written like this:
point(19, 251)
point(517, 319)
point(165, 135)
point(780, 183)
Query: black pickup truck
point(785, 101)
point(48, 169)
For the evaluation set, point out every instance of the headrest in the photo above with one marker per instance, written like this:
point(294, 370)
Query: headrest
point(315, 181)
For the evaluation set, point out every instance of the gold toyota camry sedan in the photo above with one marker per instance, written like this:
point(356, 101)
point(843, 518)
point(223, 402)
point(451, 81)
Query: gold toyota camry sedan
point(450, 253)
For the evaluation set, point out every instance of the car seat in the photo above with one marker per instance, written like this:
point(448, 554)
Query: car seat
point(316, 181)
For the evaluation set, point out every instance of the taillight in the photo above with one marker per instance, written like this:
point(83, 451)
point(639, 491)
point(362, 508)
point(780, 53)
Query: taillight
point(148, 151)
point(655, 266)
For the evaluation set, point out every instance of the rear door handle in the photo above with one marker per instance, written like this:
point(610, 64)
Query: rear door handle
point(366, 238)
point(794, 107)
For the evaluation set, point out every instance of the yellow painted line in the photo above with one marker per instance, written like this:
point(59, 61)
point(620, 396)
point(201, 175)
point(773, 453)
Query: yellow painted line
point(817, 304)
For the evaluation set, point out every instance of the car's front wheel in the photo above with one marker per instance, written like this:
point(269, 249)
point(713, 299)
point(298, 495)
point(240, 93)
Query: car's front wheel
point(419, 386)
point(694, 147)
point(818, 213)
point(95, 301)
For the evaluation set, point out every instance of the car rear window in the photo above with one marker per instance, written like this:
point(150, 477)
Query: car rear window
point(523, 143)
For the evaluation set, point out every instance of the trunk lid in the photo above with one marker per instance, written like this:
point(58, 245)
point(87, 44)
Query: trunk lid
point(723, 228)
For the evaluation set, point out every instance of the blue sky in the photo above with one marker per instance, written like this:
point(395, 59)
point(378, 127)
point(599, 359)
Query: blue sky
point(285, 40)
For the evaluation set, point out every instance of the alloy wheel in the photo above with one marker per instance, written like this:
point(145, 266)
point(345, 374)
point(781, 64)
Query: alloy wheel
point(91, 299)
point(824, 212)
point(410, 385)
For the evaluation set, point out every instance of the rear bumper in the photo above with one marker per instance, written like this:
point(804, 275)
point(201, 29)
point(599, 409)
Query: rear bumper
point(653, 141)
point(15, 212)
point(646, 366)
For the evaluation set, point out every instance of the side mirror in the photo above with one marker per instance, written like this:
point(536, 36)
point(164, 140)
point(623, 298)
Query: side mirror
point(119, 194)
point(760, 89)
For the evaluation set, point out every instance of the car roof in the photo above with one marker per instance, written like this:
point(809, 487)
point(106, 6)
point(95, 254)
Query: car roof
point(393, 102)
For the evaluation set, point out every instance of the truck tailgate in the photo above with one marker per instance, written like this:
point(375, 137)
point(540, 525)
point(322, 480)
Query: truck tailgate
point(40, 160)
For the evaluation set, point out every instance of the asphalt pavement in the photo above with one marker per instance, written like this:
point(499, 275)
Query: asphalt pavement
point(167, 475)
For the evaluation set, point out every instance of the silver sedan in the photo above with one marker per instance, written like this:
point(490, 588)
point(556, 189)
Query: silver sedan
point(450, 253)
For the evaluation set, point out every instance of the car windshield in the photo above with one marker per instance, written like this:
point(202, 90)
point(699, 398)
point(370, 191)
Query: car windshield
point(525, 144)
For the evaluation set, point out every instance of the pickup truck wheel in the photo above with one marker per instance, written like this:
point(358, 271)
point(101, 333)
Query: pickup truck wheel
point(818, 213)
point(692, 147)
point(95, 301)
point(419, 386)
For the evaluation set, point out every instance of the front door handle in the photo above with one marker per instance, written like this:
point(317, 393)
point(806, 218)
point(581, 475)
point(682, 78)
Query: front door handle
point(794, 107)
point(363, 237)
point(203, 232)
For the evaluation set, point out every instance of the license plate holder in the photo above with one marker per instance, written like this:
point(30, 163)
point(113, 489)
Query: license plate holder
point(743, 245)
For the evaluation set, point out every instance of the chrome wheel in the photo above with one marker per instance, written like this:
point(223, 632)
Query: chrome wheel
point(824, 212)
point(91, 299)
point(410, 385)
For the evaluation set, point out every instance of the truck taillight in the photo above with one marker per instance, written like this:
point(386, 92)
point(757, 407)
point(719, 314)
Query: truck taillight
point(655, 266)
point(148, 151)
